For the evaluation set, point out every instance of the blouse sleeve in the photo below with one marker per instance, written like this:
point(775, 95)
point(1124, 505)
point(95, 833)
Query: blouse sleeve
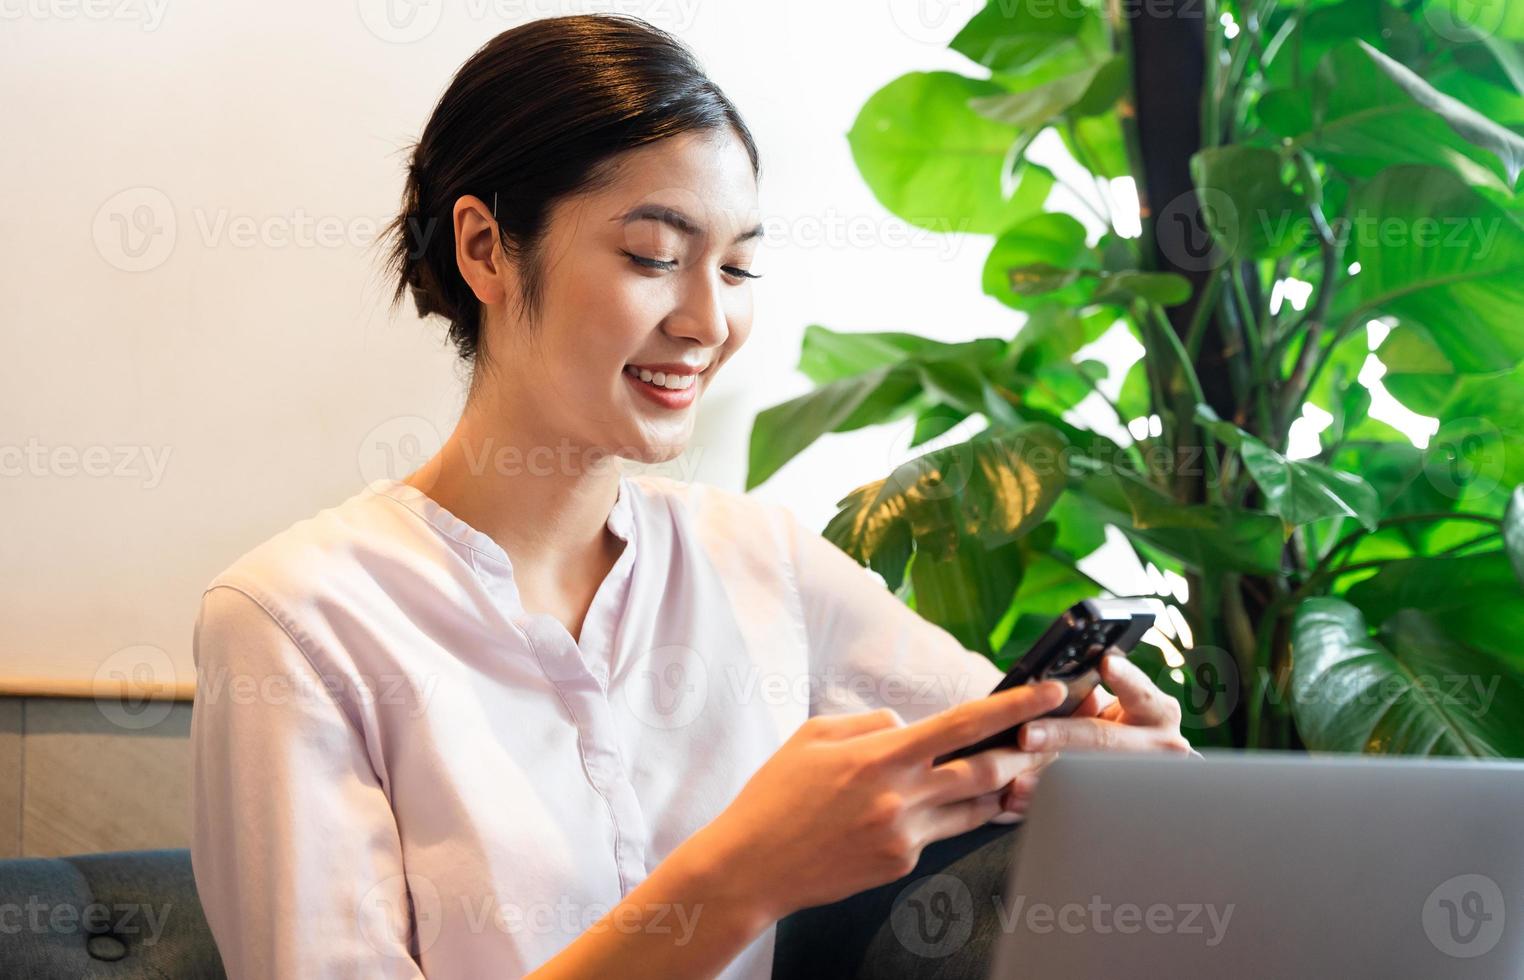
point(870, 650)
point(294, 847)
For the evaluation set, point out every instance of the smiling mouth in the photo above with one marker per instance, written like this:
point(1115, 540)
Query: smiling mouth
point(661, 379)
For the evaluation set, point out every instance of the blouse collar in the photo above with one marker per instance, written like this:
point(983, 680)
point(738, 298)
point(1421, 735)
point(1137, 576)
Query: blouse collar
point(620, 520)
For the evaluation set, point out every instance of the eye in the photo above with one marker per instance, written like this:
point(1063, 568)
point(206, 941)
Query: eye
point(666, 265)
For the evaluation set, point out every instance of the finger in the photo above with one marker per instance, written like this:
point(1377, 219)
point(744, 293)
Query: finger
point(968, 722)
point(859, 722)
point(1063, 734)
point(1095, 703)
point(952, 819)
point(983, 772)
point(1138, 695)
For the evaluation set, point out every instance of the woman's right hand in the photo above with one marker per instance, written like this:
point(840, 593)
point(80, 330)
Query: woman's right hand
point(849, 801)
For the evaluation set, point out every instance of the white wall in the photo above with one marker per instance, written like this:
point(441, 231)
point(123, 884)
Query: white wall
point(239, 370)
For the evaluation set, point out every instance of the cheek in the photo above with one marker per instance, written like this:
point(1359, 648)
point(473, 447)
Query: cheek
point(606, 327)
point(739, 322)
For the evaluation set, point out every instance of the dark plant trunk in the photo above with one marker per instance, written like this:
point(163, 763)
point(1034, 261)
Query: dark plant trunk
point(1169, 51)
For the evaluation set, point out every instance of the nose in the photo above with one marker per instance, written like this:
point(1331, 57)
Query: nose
point(701, 314)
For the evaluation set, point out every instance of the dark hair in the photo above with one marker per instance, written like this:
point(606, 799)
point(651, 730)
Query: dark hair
point(537, 114)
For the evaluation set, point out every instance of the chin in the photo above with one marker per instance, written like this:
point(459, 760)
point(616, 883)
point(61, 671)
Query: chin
point(650, 453)
point(650, 445)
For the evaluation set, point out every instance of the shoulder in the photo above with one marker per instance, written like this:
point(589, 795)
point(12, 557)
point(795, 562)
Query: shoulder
point(743, 527)
point(340, 558)
point(705, 504)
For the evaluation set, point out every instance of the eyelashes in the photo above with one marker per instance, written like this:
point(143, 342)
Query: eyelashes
point(667, 265)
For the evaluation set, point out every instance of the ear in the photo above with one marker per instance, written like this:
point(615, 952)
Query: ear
point(481, 262)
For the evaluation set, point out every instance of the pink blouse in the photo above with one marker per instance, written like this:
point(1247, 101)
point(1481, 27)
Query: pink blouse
point(399, 772)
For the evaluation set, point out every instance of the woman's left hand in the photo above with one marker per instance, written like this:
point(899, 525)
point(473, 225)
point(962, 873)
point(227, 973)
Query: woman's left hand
point(1138, 717)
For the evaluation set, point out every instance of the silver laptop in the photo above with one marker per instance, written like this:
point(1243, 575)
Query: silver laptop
point(1268, 865)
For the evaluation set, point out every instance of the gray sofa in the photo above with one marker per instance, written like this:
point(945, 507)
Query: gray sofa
point(135, 914)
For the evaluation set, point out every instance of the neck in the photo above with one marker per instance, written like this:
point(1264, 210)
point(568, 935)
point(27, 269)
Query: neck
point(545, 502)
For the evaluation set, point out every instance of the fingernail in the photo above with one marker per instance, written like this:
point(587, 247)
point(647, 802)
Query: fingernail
point(1034, 737)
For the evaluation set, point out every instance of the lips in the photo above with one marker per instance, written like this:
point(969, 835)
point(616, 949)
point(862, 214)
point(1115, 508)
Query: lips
point(671, 367)
point(671, 385)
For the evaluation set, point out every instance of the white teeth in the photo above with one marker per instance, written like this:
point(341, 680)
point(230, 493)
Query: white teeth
point(672, 382)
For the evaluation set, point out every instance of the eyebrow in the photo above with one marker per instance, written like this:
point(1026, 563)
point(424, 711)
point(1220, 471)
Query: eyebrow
point(676, 219)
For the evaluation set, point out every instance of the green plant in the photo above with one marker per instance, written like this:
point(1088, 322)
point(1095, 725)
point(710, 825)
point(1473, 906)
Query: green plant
point(1366, 598)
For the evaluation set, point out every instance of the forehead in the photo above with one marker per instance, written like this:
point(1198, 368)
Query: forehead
point(706, 176)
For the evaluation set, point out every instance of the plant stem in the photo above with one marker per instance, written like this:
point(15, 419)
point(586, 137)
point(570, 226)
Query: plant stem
point(1257, 366)
point(1240, 630)
point(1321, 571)
point(1201, 317)
point(1172, 340)
point(1211, 104)
point(1185, 420)
point(1311, 358)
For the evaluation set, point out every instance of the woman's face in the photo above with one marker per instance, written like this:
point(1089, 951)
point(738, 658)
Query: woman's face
point(644, 281)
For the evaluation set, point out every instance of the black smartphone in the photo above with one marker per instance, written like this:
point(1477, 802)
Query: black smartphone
point(1070, 650)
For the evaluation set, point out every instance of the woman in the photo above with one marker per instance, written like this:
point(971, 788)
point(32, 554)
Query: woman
point(674, 715)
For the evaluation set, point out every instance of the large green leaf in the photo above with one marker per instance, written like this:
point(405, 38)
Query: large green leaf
point(967, 592)
point(1332, 24)
point(963, 386)
point(1048, 587)
point(1425, 694)
point(1418, 373)
point(1053, 240)
point(995, 487)
point(1476, 457)
point(1360, 120)
point(935, 162)
point(1087, 92)
point(1502, 105)
point(781, 432)
point(1246, 203)
point(1477, 598)
point(1397, 472)
point(829, 355)
point(1044, 263)
point(1298, 490)
point(1501, 19)
point(1466, 122)
point(1017, 37)
point(1204, 537)
point(1433, 252)
point(1098, 143)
